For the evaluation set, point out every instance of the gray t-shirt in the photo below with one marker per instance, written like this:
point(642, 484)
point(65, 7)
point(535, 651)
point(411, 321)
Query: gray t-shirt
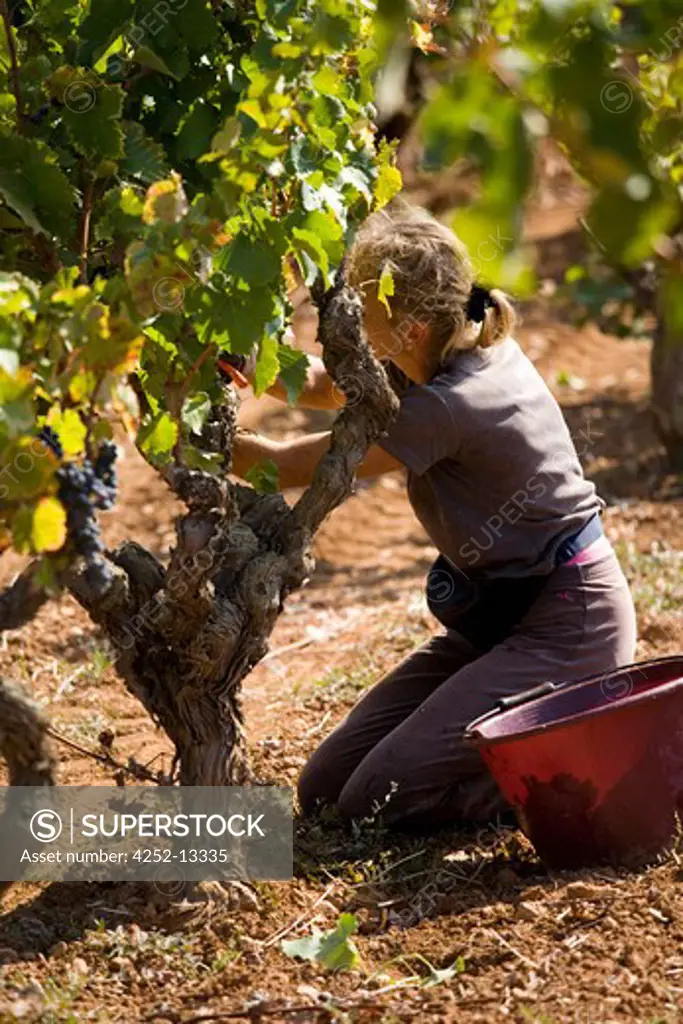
point(493, 474)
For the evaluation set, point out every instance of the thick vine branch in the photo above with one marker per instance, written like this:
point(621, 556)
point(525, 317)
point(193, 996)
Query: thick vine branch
point(371, 406)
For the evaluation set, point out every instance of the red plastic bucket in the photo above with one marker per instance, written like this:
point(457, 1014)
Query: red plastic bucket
point(593, 768)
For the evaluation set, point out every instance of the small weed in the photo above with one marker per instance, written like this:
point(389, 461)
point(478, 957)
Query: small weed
point(226, 957)
point(100, 661)
point(137, 945)
point(269, 897)
point(59, 998)
point(87, 729)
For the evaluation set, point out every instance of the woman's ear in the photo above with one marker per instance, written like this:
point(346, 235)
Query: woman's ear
point(418, 335)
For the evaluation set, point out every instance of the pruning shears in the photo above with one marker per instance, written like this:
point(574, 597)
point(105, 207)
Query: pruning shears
point(230, 366)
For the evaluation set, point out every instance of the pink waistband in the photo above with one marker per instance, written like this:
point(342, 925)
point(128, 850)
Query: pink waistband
point(598, 549)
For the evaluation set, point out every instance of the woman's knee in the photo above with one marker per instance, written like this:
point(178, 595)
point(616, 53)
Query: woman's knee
point(323, 776)
point(352, 803)
point(312, 786)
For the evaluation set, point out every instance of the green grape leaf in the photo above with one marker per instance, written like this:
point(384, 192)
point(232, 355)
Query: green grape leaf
point(194, 138)
point(256, 261)
point(114, 346)
point(196, 24)
point(334, 949)
point(147, 58)
point(293, 371)
point(143, 157)
point(254, 110)
point(267, 364)
point(34, 186)
point(196, 411)
point(158, 437)
point(358, 180)
point(46, 577)
point(309, 242)
point(103, 23)
point(328, 232)
point(263, 477)
point(304, 156)
point(91, 112)
point(195, 458)
point(237, 321)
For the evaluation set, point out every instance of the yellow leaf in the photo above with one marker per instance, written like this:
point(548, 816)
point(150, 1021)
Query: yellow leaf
point(389, 180)
point(125, 345)
point(49, 525)
point(254, 110)
point(165, 201)
point(70, 295)
point(81, 385)
point(70, 429)
point(119, 350)
point(386, 288)
point(287, 50)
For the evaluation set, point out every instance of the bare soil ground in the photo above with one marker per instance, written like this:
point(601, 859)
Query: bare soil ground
point(535, 945)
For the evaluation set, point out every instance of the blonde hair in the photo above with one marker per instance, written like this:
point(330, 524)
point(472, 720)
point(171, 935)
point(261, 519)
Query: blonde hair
point(432, 274)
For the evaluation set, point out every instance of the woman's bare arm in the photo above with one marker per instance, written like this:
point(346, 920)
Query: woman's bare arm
point(296, 459)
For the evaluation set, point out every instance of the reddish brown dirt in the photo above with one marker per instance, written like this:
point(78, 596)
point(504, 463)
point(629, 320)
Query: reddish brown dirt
point(537, 946)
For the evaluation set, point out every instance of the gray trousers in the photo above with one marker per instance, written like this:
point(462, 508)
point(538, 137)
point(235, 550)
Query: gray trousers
point(400, 751)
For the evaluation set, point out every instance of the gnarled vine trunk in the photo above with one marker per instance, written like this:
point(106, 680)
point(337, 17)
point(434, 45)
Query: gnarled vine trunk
point(24, 745)
point(188, 633)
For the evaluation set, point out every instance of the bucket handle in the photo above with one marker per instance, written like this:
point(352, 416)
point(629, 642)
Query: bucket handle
point(515, 700)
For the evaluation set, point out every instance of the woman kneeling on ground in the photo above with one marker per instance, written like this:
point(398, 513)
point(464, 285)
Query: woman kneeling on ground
point(526, 583)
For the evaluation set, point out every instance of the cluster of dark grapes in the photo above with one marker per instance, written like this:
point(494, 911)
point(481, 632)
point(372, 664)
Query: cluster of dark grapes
point(104, 472)
point(83, 489)
point(51, 440)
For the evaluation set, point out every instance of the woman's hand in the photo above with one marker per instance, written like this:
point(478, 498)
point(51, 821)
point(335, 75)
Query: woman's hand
point(295, 460)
